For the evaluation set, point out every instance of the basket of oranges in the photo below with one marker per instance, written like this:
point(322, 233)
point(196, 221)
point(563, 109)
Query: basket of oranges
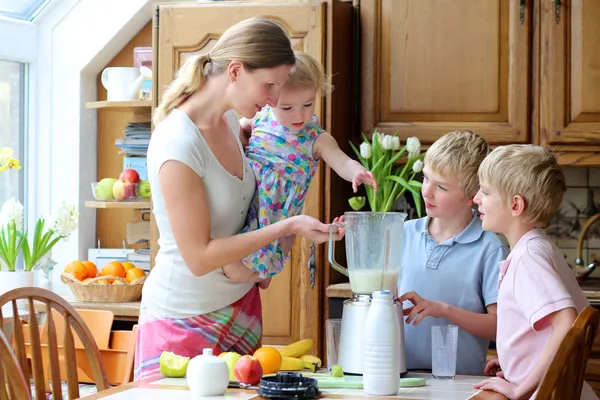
point(115, 283)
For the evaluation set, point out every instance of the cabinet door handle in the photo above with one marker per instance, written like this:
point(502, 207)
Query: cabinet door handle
point(311, 265)
point(557, 5)
point(522, 8)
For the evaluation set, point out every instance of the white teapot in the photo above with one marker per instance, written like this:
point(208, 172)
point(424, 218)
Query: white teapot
point(124, 83)
point(207, 375)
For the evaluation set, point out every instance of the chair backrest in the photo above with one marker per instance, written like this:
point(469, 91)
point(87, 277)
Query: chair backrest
point(9, 368)
point(564, 377)
point(72, 323)
point(587, 321)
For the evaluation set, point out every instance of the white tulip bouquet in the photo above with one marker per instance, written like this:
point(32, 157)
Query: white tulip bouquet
point(380, 157)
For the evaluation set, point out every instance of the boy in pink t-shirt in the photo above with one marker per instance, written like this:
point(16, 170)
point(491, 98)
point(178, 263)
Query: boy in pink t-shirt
point(521, 187)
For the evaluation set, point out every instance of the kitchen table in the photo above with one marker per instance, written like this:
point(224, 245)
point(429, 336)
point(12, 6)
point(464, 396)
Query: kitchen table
point(159, 387)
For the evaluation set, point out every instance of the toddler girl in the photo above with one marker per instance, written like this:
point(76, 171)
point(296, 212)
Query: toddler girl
point(284, 149)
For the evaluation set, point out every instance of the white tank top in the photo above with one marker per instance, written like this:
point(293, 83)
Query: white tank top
point(171, 290)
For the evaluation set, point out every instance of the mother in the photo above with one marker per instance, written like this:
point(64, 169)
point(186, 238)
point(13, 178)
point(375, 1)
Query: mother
point(202, 186)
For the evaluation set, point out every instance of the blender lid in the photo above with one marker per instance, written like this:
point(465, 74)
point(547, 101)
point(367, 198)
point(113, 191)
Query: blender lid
point(288, 385)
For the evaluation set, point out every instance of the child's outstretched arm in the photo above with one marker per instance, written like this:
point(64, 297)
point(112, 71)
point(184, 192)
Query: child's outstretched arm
point(481, 325)
point(351, 170)
point(560, 322)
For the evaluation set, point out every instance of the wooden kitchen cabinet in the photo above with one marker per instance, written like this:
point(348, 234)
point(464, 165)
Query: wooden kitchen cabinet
point(293, 304)
point(569, 86)
point(514, 71)
point(429, 67)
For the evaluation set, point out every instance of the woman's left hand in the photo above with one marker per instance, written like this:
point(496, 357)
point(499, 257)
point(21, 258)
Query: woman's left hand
point(363, 177)
point(498, 385)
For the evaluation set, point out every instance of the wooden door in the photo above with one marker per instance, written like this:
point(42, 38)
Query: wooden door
point(432, 66)
point(290, 311)
point(570, 75)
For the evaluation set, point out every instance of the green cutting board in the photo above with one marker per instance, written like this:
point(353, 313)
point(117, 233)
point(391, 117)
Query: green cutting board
point(354, 382)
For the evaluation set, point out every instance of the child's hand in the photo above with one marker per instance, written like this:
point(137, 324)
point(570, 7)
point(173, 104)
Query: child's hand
point(498, 385)
point(363, 177)
point(492, 368)
point(264, 283)
point(421, 308)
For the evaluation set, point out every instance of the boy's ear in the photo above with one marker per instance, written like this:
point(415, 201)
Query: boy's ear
point(517, 205)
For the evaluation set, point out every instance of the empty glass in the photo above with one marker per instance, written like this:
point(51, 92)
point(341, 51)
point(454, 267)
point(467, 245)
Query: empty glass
point(444, 341)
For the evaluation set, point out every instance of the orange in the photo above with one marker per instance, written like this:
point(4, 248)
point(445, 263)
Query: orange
point(133, 274)
point(114, 268)
point(90, 268)
point(77, 269)
point(127, 265)
point(270, 359)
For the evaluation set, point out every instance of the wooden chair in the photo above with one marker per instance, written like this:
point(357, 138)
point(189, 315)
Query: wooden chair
point(72, 322)
point(17, 385)
point(588, 320)
point(564, 377)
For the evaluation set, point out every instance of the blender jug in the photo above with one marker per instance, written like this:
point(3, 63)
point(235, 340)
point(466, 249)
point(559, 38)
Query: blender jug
point(373, 250)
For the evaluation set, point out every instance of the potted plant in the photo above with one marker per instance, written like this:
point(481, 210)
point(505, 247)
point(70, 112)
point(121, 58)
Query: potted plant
point(380, 156)
point(22, 255)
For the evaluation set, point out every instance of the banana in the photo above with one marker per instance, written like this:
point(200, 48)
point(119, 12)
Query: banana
point(291, 364)
point(297, 349)
point(311, 362)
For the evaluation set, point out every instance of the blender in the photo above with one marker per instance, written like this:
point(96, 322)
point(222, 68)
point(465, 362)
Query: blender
point(373, 253)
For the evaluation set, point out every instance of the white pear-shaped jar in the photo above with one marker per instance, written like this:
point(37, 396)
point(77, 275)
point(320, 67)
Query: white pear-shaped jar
point(207, 375)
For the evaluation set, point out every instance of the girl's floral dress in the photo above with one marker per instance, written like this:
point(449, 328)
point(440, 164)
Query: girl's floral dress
point(284, 166)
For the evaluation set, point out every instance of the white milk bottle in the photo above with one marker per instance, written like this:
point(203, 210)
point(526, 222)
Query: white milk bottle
point(381, 375)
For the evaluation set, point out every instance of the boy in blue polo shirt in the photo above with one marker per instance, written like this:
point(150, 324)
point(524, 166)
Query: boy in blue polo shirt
point(450, 265)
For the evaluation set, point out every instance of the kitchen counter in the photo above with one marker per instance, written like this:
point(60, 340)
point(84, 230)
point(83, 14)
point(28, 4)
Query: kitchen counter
point(122, 311)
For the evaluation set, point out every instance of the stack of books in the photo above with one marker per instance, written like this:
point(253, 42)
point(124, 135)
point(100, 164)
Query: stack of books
point(134, 147)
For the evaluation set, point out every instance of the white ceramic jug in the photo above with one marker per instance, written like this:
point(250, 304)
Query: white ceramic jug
point(123, 83)
point(207, 375)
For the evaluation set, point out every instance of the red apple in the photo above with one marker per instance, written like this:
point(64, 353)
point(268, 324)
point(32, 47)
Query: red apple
point(248, 370)
point(129, 175)
point(123, 190)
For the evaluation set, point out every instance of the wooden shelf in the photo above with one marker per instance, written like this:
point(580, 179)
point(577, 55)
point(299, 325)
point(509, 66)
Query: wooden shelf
point(119, 104)
point(137, 205)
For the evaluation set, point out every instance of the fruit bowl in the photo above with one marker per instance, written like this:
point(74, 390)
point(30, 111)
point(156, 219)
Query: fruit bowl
point(100, 290)
point(123, 190)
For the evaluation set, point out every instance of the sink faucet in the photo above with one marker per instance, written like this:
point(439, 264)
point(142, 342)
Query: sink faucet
point(581, 271)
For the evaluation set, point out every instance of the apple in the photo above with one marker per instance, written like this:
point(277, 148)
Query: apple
point(130, 176)
point(248, 370)
point(104, 188)
point(124, 190)
point(231, 358)
point(144, 188)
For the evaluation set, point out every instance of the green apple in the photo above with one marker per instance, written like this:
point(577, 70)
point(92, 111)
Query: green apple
point(173, 365)
point(104, 189)
point(144, 189)
point(231, 358)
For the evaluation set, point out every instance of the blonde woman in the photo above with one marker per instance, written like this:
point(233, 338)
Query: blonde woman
point(202, 186)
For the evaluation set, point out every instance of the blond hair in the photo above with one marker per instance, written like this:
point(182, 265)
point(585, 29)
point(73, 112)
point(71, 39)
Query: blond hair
point(529, 171)
point(308, 72)
point(458, 153)
point(255, 42)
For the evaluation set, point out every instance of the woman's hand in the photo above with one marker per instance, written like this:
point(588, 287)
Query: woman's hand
point(311, 228)
point(499, 385)
point(421, 308)
point(492, 368)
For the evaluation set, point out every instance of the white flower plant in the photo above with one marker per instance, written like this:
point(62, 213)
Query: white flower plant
point(380, 156)
point(14, 239)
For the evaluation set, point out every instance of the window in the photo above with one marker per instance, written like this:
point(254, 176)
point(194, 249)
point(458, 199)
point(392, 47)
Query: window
point(12, 126)
point(26, 10)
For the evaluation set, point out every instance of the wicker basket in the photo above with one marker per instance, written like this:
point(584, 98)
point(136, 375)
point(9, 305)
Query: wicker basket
point(104, 293)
